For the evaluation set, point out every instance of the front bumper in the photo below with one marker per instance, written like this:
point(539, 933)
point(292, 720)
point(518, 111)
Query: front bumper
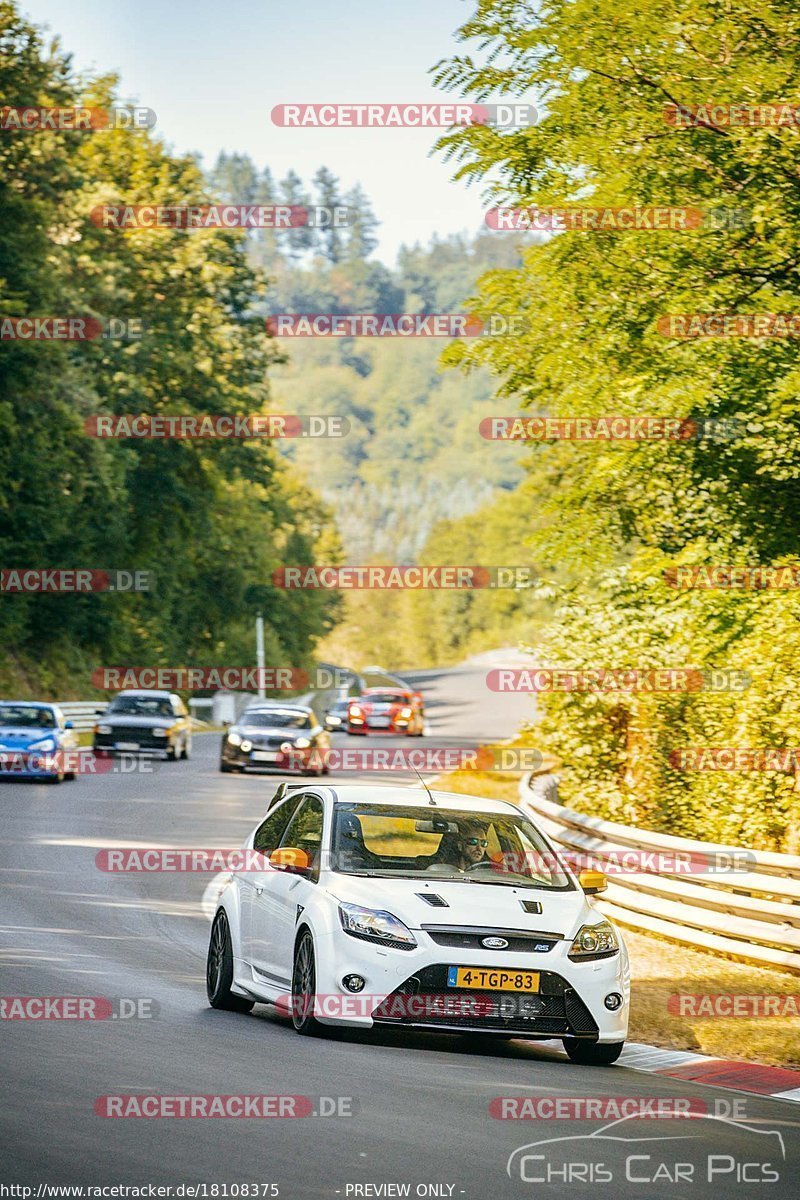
point(132, 741)
point(410, 988)
point(25, 764)
point(298, 761)
point(365, 728)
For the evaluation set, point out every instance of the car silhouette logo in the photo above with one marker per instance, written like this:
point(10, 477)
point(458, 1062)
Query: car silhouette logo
point(494, 943)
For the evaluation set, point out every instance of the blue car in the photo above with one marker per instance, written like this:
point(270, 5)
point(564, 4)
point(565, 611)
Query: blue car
point(36, 742)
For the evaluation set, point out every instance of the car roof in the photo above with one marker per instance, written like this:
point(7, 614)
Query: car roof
point(153, 692)
point(36, 703)
point(413, 794)
point(389, 688)
point(276, 707)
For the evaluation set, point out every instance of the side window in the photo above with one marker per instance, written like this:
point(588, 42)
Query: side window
point(268, 834)
point(305, 831)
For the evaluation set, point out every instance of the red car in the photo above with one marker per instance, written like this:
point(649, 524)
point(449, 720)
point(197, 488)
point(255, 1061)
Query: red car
point(387, 710)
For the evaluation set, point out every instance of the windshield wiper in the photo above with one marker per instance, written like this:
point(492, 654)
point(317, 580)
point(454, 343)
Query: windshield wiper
point(527, 883)
point(363, 874)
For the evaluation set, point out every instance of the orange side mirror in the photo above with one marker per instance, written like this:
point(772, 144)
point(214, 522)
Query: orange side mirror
point(291, 859)
point(592, 882)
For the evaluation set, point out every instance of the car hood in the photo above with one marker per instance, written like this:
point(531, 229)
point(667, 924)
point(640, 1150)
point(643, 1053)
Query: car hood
point(496, 906)
point(272, 731)
point(18, 738)
point(135, 721)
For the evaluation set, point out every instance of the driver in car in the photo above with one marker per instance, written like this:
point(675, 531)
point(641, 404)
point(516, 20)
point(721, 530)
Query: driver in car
point(461, 850)
point(471, 845)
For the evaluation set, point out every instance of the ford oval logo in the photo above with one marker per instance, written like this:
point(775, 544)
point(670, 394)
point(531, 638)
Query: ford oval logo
point(494, 943)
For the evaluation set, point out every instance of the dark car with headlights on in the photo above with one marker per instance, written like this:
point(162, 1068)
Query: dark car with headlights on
point(336, 715)
point(338, 704)
point(144, 722)
point(276, 737)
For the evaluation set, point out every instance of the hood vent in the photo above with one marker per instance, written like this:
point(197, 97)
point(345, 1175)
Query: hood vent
point(531, 906)
point(432, 899)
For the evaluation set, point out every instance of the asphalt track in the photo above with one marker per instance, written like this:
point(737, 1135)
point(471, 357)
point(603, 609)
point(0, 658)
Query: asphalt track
point(413, 1110)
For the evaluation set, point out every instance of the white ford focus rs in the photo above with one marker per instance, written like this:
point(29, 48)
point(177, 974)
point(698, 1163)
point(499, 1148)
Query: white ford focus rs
point(360, 905)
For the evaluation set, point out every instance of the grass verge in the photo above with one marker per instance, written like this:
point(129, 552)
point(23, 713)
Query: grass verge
point(661, 969)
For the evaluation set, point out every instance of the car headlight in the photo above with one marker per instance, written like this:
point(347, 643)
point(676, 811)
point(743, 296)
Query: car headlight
point(405, 712)
point(103, 729)
point(594, 941)
point(374, 925)
point(302, 743)
point(160, 732)
point(234, 738)
point(247, 746)
point(43, 744)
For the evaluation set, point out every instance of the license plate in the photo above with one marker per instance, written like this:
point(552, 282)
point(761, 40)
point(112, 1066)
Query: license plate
point(484, 979)
point(127, 745)
point(381, 722)
point(265, 756)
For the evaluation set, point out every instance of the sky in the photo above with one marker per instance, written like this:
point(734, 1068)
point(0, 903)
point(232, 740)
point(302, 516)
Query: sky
point(213, 72)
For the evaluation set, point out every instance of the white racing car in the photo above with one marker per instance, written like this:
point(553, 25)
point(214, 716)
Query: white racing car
point(361, 905)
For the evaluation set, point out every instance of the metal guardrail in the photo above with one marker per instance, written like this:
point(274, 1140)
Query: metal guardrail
point(752, 915)
point(82, 713)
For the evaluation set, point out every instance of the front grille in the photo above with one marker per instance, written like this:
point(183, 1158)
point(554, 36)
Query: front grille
point(143, 735)
point(466, 938)
point(425, 999)
point(267, 743)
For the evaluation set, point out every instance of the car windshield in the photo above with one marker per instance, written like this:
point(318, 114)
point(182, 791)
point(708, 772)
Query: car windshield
point(150, 706)
point(276, 719)
point(443, 844)
point(27, 715)
point(385, 698)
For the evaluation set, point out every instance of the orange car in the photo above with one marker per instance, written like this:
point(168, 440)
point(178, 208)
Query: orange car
point(387, 710)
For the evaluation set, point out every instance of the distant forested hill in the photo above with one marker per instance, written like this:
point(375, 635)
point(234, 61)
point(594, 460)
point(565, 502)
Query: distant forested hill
point(413, 455)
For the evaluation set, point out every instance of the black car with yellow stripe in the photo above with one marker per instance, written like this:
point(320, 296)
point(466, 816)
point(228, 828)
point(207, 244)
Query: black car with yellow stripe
point(144, 722)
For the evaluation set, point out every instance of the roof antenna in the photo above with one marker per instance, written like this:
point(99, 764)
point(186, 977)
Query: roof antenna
point(424, 784)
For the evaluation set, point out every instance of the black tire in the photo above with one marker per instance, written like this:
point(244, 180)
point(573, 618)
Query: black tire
point(304, 982)
point(187, 750)
point(593, 1054)
point(219, 969)
point(225, 767)
point(172, 753)
point(55, 778)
